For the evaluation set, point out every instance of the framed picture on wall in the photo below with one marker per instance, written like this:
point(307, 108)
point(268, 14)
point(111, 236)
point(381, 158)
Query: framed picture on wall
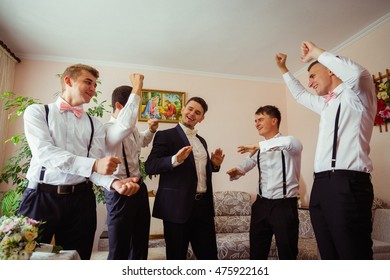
point(161, 104)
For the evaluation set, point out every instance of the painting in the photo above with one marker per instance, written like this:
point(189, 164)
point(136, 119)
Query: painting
point(161, 104)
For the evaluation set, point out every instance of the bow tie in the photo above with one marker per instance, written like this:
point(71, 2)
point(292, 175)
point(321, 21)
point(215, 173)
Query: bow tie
point(191, 132)
point(78, 112)
point(329, 96)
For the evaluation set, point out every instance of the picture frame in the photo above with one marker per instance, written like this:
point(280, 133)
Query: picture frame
point(163, 105)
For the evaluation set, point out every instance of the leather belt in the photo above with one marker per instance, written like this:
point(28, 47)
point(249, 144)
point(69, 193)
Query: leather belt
point(199, 196)
point(342, 172)
point(65, 189)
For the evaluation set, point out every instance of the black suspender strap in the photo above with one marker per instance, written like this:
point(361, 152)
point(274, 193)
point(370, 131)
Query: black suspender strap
point(125, 158)
point(284, 176)
point(258, 167)
point(336, 129)
point(43, 169)
point(92, 132)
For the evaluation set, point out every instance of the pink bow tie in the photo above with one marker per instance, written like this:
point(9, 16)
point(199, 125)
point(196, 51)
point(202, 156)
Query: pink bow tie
point(78, 112)
point(329, 96)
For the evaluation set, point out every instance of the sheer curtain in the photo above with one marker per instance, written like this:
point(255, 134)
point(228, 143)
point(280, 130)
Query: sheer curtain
point(7, 72)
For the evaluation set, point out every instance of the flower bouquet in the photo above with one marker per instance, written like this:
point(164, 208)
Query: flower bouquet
point(19, 238)
point(383, 104)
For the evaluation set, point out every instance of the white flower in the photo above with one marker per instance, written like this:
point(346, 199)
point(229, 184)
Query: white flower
point(24, 255)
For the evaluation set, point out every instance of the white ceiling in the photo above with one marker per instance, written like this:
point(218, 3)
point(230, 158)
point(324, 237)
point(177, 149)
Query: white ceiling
point(227, 38)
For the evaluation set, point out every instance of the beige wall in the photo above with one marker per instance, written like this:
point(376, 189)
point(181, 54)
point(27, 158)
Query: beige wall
point(232, 103)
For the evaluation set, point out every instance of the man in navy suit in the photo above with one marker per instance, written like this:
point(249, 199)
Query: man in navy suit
point(184, 200)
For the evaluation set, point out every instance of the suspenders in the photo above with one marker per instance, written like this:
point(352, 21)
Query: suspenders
point(125, 158)
point(336, 129)
point(43, 169)
point(284, 173)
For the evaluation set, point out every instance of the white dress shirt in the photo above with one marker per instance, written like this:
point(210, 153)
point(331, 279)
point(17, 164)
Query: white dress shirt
point(123, 130)
point(200, 156)
point(61, 146)
point(358, 108)
point(271, 166)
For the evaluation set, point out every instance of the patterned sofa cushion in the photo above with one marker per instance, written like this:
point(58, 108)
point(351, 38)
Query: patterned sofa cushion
point(232, 203)
point(232, 224)
point(305, 227)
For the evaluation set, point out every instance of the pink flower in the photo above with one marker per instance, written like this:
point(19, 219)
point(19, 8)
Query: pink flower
point(32, 222)
point(9, 226)
point(385, 113)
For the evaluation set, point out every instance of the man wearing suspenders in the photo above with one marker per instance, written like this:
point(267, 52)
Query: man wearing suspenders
point(275, 211)
point(68, 149)
point(342, 193)
point(128, 218)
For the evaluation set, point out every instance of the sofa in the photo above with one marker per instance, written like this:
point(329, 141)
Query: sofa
point(232, 222)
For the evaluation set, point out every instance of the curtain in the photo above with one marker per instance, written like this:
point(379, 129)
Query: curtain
point(7, 73)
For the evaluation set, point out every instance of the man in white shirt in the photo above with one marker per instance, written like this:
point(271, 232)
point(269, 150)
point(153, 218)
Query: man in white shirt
point(275, 210)
point(342, 193)
point(68, 147)
point(128, 218)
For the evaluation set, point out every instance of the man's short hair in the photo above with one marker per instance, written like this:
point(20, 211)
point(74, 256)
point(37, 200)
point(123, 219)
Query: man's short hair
point(74, 71)
point(200, 101)
point(312, 64)
point(120, 94)
point(271, 111)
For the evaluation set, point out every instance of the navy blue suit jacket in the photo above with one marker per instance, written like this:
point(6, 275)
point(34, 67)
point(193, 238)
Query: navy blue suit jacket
point(177, 186)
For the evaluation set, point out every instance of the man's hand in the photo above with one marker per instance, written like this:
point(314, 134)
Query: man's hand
point(137, 80)
point(281, 62)
point(309, 51)
point(234, 172)
point(126, 186)
point(153, 125)
point(106, 166)
point(183, 153)
point(217, 157)
point(251, 149)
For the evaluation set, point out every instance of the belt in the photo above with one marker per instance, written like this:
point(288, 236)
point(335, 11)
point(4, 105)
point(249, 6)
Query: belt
point(277, 199)
point(65, 189)
point(347, 173)
point(199, 196)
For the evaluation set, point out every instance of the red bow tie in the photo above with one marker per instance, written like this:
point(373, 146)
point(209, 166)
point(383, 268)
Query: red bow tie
point(78, 112)
point(329, 96)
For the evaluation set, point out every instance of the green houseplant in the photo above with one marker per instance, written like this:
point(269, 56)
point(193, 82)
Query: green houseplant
point(17, 165)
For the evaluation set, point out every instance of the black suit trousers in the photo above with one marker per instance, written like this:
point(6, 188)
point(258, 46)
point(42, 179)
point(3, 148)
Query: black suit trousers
point(71, 218)
point(340, 210)
point(199, 230)
point(128, 221)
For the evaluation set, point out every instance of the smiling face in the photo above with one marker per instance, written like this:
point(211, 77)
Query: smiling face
point(320, 79)
point(81, 89)
point(192, 114)
point(266, 125)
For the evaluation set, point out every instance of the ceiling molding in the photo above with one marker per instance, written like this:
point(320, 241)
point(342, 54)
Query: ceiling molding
point(147, 67)
point(364, 32)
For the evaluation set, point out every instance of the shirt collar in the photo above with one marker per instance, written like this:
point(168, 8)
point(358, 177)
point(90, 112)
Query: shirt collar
point(187, 131)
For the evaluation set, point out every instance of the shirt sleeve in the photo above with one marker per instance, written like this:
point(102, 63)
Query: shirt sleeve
point(246, 165)
point(301, 95)
point(146, 137)
point(125, 123)
point(284, 143)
